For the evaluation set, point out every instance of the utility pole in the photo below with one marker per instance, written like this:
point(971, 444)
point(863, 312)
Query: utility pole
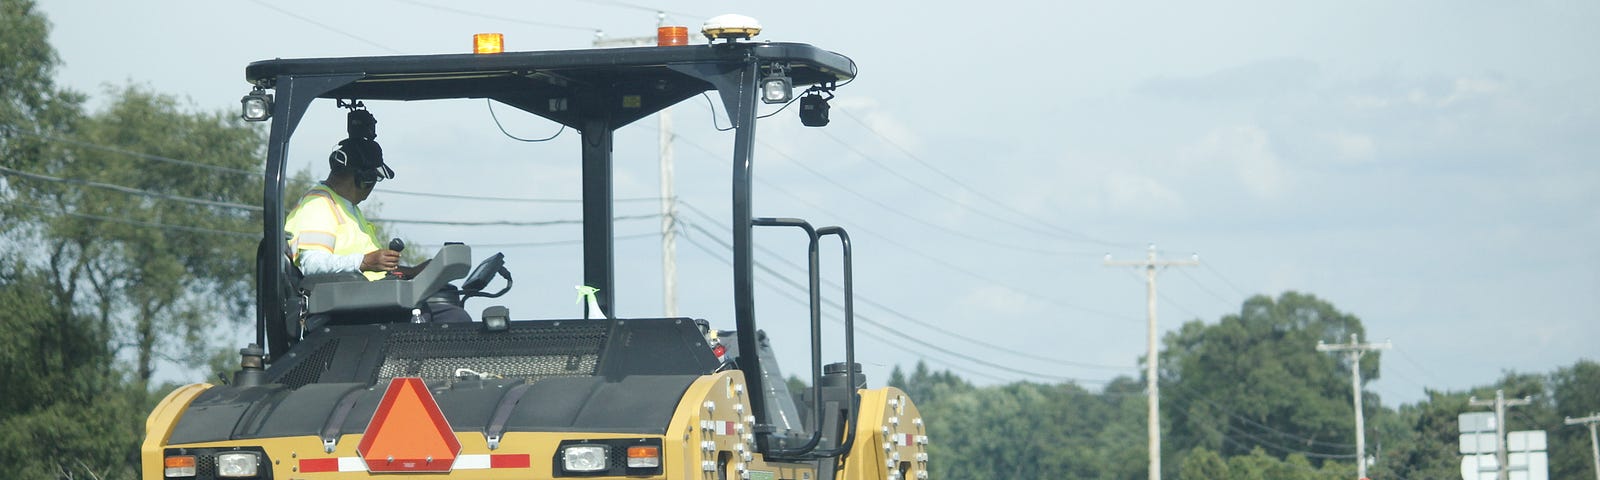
point(1354, 350)
point(669, 206)
point(1594, 440)
point(1500, 404)
point(1152, 385)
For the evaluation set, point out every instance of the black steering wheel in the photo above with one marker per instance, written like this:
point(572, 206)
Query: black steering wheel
point(484, 273)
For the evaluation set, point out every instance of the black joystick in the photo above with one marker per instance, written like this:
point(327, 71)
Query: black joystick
point(397, 244)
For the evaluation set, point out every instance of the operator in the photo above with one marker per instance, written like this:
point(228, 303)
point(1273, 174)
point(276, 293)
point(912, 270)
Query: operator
point(327, 232)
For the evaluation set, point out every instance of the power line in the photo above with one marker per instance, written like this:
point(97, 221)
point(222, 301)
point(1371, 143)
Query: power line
point(1225, 281)
point(908, 216)
point(789, 294)
point(908, 338)
point(1190, 394)
point(130, 190)
point(498, 17)
point(976, 192)
point(937, 259)
point(131, 153)
point(340, 31)
point(486, 198)
point(538, 223)
point(554, 242)
point(1203, 287)
point(912, 319)
point(641, 8)
point(128, 221)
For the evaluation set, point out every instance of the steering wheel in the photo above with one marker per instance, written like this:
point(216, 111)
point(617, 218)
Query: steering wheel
point(484, 273)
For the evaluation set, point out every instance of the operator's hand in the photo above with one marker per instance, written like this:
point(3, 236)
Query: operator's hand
point(380, 261)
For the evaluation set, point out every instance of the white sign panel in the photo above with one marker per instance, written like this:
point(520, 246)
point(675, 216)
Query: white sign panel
point(1478, 467)
point(1476, 422)
point(1525, 441)
point(1477, 443)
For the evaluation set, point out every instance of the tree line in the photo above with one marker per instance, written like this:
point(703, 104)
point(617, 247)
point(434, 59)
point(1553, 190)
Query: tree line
point(1244, 397)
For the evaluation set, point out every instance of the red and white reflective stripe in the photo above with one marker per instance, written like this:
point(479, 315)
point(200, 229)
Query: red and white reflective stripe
point(904, 439)
point(726, 428)
point(463, 462)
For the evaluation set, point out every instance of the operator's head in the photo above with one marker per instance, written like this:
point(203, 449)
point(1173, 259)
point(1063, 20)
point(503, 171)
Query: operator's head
point(362, 161)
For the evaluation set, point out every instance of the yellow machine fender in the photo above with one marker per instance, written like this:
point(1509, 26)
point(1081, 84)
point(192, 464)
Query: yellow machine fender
point(158, 427)
point(891, 439)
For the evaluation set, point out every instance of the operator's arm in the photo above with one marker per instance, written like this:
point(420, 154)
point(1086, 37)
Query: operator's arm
point(318, 262)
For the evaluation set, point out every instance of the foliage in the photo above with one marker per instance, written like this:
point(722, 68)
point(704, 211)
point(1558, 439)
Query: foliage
point(1255, 380)
point(66, 411)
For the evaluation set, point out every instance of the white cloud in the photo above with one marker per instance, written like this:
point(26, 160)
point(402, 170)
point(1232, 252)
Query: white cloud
point(1245, 152)
point(1132, 192)
point(997, 299)
point(1354, 147)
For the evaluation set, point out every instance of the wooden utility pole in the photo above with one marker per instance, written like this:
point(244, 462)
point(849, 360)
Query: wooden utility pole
point(1152, 383)
point(1500, 405)
point(1354, 350)
point(669, 207)
point(1594, 440)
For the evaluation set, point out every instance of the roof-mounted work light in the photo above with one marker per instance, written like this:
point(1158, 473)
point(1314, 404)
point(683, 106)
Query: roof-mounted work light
point(257, 106)
point(776, 87)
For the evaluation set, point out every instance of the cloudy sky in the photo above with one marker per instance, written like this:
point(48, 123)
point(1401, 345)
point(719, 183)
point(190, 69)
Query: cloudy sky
point(1427, 166)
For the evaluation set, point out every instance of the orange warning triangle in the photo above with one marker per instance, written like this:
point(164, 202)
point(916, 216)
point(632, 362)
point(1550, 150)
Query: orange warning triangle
point(408, 432)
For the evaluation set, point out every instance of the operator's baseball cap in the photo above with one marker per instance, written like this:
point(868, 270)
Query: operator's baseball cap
point(360, 155)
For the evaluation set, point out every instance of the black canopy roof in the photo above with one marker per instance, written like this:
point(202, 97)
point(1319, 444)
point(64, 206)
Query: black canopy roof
point(624, 84)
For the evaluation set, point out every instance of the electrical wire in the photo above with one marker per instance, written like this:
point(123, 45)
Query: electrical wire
point(975, 192)
point(141, 223)
point(713, 107)
point(792, 296)
point(502, 128)
point(489, 223)
point(131, 153)
point(867, 320)
point(909, 318)
point(324, 26)
point(1225, 280)
point(510, 199)
point(487, 16)
point(641, 8)
point(130, 190)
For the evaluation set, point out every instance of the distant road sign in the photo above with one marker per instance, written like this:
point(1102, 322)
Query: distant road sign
point(1480, 442)
point(1477, 422)
point(1479, 467)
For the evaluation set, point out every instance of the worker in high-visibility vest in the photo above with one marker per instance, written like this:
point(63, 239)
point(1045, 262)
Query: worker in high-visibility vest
point(327, 232)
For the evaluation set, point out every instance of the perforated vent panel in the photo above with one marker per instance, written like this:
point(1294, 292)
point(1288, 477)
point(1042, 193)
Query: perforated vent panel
point(310, 370)
point(529, 352)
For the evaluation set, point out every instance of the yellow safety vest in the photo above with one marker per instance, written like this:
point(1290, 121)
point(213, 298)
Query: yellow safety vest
point(325, 221)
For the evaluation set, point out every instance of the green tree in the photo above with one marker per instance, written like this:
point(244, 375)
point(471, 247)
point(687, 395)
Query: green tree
point(147, 215)
point(1255, 380)
point(1203, 464)
point(1576, 392)
point(66, 411)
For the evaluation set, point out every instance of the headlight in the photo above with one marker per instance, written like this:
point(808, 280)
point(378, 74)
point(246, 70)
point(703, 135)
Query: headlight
point(584, 458)
point(238, 464)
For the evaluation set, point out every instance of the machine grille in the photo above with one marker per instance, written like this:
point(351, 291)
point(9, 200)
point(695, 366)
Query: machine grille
point(530, 352)
point(310, 370)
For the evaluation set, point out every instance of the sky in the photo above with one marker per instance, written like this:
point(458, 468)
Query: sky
point(1427, 166)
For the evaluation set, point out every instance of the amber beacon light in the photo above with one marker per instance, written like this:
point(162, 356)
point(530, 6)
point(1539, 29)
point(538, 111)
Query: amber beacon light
point(488, 43)
point(672, 36)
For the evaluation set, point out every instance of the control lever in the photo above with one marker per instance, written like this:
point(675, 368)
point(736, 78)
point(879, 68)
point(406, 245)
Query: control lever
point(398, 245)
